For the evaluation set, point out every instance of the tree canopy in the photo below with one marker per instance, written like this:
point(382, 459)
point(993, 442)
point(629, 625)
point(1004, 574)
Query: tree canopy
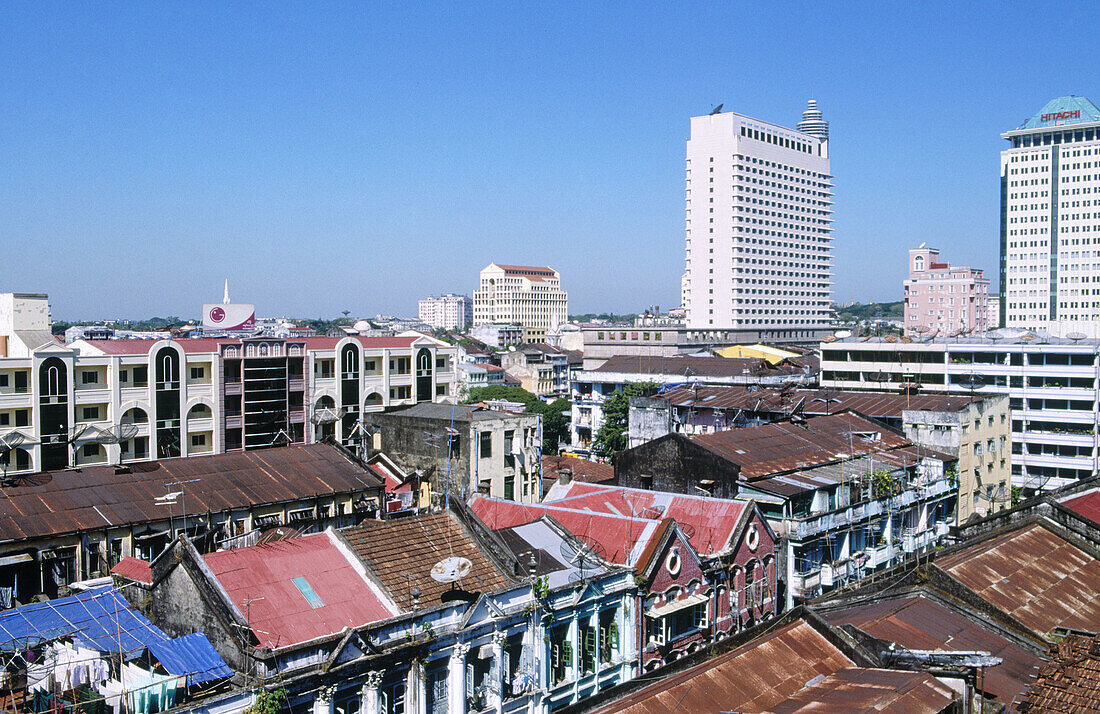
point(555, 426)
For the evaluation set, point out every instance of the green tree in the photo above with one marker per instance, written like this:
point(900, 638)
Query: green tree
point(611, 438)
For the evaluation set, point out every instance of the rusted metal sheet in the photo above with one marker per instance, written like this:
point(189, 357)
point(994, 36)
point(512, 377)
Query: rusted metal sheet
point(94, 497)
point(763, 451)
point(880, 405)
point(921, 623)
point(752, 678)
point(1034, 575)
point(871, 690)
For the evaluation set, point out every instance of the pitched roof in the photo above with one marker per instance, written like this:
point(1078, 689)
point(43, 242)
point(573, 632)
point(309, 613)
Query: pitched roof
point(1086, 505)
point(583, 469)
point(402, 552)
point(709, 523)
point(1067, 110)
point(921, 623)
point(296, 590)
point(55, 502)
point(1034, 575)
point(782, 447)
point(873, 404)
point(854, 691)
point(752, 678)
point(532, 272)
point(135, 569)
point(1070, 682)
point(617, 539)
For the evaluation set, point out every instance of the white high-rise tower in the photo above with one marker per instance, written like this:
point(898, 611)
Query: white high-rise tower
point(1050, 220)
point(759, 226)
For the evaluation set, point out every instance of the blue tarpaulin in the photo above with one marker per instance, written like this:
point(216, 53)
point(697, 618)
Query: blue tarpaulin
point(102, 620)
point(192, 655)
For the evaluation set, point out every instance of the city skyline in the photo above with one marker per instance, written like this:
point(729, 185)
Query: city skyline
point(335, 149)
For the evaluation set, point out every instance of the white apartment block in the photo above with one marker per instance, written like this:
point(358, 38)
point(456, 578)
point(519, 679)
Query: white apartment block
point(1050, 221)
point(759, 225)
point(522, 295)
point(448, 312)
point(60, 405)
point(1053, 386)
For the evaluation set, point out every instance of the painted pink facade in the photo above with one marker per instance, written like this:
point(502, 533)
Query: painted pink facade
point(944, 299)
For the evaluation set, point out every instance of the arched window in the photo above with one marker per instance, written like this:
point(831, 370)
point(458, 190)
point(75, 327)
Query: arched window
point(918, 263)
point(53, 382)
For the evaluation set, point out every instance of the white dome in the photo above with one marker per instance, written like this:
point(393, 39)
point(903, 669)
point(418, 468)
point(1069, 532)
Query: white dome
point(362, 326)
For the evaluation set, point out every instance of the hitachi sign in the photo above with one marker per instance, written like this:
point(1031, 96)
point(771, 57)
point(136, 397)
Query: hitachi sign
point(1075, 114)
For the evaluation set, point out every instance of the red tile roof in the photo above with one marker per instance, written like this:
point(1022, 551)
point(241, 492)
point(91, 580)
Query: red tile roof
point(296, 590)
point(1086, 505)
point(134, 569)
point(532, 272)
point(1070, 682)
point(583, 469)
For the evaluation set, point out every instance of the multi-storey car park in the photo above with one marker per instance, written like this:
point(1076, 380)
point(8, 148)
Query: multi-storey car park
point(1052, 383)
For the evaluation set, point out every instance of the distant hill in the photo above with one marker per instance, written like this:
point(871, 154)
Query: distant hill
point(875, 311)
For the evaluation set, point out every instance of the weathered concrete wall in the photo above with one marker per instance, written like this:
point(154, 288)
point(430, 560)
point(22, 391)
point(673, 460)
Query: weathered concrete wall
point(673, 463)
point(649, 419)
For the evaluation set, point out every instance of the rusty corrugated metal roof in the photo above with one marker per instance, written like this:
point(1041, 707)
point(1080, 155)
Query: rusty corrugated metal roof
point(1034, 575)
point(854, 691)
point(880, 405)
point(920, 623)
point(752, 678)
point(771, 449)
point(56, 502)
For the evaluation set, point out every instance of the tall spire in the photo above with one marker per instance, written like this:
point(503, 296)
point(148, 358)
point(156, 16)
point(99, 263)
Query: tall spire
point(225, 297)
point(812, 123)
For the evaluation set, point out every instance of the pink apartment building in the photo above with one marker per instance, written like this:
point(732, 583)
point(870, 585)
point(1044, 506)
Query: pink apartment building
point(946, 299)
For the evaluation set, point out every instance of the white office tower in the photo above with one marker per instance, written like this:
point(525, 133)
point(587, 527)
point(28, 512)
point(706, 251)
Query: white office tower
point(448, 312)
point(759, 226)
point(1050, 221)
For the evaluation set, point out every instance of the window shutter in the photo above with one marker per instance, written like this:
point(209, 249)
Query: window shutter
point(567, 653)
point(469, 680)
point(613, 635)
point(590, 641)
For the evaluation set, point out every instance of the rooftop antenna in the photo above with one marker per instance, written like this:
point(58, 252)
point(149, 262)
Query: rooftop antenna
point(716, 110)
point(118, 433)
point(8, 444)
point(584, 556)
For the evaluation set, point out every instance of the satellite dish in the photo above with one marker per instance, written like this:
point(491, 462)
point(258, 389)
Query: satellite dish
point(583, 557)
point(716, 110)
point(327, 415)
point(842, 334)
point(451, 570)
point(8, 442)
point(922, 244)
point(1076, 336)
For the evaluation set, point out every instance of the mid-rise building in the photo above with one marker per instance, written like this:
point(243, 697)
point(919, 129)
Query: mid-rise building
point(498, 336)
point(522, 295)
point(447, 312)
point(541, 369)
point(759, 226)
point(944, 298)
point(1051, 383)
point(1050, 220)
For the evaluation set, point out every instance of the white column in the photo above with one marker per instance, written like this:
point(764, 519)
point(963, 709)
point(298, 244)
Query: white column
point(499, 674)
point(322, 703)
point(457, 679)
point(368, 695)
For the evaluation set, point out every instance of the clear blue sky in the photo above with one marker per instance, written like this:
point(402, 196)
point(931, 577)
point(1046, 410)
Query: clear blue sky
point(356, 156)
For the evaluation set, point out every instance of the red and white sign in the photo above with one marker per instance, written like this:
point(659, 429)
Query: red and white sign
point(1074, 114)
point(229, 317)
